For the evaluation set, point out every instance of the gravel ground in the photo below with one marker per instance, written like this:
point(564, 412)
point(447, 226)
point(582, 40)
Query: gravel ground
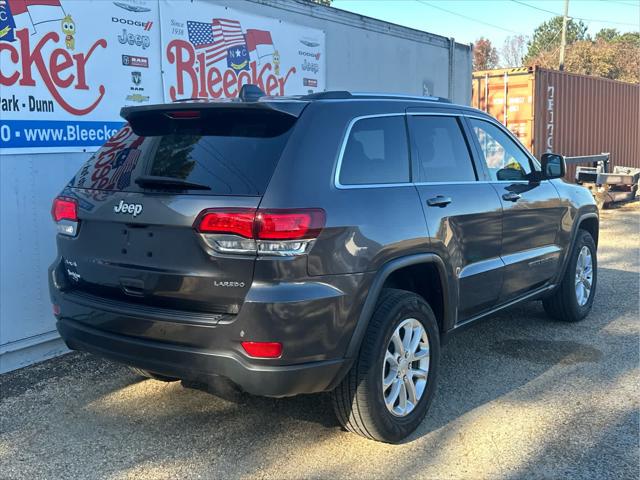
point(519, 396)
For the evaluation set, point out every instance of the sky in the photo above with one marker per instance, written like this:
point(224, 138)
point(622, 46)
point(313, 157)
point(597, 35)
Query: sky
point(494, 19)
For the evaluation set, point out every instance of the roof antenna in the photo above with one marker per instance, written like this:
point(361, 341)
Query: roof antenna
point(250, 93)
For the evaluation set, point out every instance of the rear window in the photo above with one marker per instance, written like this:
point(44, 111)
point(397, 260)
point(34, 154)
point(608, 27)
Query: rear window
point(233, 158)
point(230, 165)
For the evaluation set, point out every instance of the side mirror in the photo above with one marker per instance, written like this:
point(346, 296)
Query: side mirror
point(553, 166)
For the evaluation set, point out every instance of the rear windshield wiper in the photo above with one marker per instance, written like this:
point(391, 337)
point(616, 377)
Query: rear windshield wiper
point(152, 181)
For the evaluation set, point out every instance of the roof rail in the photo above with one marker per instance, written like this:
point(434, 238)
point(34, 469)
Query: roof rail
point(345, 95)
point(400, 96)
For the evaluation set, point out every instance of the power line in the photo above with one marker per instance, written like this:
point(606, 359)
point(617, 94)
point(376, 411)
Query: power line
point(637, 5)
point(467, 18)
point(575, 18)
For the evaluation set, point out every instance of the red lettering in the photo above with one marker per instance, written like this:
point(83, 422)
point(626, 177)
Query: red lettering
point(230, 80)
point(213, 78)
point(13, 55)
point(256, 78)
point(243, 78)
point(283, 80)
point(34, 57)
point(202, 69)
point(271, 84)
point(81, 61)
point(57, 67)
point(213, 82)
point(176, 51)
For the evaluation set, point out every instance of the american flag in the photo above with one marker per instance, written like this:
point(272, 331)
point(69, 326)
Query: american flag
point(124, 164)
point(215, 38)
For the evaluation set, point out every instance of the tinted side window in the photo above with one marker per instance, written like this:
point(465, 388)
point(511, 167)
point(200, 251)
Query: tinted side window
point(442, 151)
point(376, 152)
point(504, 159)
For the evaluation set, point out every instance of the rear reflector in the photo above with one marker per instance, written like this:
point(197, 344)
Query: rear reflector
point(263, 349)
point(263, 224)
point(64, 209)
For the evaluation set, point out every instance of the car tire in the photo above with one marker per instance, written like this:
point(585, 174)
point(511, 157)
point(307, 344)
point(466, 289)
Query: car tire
point(569, 303)
point(155, 376)
point(361, 399)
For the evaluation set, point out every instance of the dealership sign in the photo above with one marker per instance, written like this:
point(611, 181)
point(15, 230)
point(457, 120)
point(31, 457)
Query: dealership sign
point(67, 67)
point(210, 51)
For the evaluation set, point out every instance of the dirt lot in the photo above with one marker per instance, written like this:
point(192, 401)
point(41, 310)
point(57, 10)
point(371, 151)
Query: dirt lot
point(519, 396)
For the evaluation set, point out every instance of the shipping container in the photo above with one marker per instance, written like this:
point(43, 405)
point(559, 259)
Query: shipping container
point(360, 53)
point(565, 113)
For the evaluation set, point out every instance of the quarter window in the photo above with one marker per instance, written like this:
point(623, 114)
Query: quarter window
point(376, 152)
point(442, 151)
point(502, 156)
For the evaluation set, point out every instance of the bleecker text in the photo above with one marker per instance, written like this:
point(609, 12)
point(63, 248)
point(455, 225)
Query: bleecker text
point(195, 79)
point(59, 71)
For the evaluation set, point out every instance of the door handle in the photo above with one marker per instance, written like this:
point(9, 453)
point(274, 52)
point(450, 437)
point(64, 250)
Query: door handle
point(439, 201)
point(511, 197)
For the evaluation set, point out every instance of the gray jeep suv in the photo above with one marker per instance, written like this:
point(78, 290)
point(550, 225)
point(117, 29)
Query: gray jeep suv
point(328, 242)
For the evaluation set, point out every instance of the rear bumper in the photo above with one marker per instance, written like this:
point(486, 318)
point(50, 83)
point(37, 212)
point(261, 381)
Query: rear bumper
point(203, 366)
point(314, 321)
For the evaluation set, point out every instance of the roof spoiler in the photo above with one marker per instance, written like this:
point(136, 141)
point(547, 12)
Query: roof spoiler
point(162, 119)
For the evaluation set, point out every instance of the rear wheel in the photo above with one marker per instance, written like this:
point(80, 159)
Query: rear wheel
point(573, 299)
point(154, 376)
point(386, 394)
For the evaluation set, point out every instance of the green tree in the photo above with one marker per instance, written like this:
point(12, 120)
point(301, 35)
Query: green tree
point(607, 34)
point(546, 37)
point(610, 55)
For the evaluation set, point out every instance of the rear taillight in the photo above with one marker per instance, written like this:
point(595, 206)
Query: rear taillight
point(263, 349)
point(269, 232)
point(235, 222)
point(65, 213)
point(64, 209)
point(289, 225)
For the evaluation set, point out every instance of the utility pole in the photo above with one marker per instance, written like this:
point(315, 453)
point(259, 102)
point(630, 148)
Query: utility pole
point(563, 41)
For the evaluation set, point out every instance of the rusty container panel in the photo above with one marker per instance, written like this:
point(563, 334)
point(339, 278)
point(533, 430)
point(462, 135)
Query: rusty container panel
point(507, 95)
point(579, 115)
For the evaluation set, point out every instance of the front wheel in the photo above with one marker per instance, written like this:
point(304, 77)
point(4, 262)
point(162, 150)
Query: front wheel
point(386, 394)
point(573, 299)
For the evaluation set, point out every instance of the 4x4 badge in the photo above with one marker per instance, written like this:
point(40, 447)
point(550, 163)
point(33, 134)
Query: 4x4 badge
point(134, 209)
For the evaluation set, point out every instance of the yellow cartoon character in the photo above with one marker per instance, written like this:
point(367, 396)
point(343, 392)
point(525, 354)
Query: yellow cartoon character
point(276, 62)
point(69, 29)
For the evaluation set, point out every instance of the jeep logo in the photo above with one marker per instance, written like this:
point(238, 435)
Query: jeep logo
point(134, 209)
point(134, 39)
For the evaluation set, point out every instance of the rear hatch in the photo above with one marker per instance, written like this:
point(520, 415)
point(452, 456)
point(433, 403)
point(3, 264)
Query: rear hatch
point(139, 199)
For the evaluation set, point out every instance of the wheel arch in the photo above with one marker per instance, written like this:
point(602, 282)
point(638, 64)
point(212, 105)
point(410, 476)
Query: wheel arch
point(589, 222)
point(399, 273)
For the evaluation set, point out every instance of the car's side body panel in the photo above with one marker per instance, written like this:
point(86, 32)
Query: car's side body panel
point(488, 253)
